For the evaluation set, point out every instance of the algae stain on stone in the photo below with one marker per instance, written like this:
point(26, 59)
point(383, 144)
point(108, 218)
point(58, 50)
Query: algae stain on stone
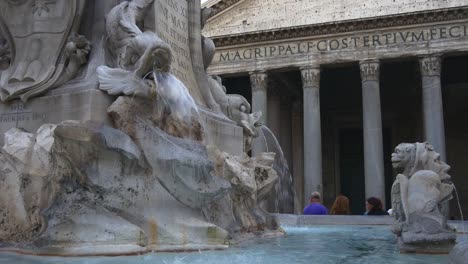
point(212, 234)
point(142, 239)
point(153, 231)
point(184, 236)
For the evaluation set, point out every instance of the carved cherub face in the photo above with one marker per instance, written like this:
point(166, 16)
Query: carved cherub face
point(403, 155)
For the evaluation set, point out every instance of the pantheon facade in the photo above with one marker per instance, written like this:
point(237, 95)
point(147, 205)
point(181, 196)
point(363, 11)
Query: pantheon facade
point(342, 82)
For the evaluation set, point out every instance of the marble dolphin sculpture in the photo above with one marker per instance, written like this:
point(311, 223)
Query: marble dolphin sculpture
point(137, 55)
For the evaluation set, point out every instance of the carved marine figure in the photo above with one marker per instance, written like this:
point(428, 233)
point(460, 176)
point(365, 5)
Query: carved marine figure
point(135, 54)
point(141, 64)
point(237, 108)
point(234, 106)
point(418, 194)
point(40, 50)
point(208, 46)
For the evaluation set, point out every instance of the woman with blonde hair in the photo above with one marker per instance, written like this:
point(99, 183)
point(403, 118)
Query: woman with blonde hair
point(340, 206)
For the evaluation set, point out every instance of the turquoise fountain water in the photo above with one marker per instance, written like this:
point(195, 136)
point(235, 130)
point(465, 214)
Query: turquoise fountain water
point(323, 244)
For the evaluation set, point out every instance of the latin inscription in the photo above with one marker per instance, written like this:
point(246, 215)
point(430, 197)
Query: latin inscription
point(348, 42)
point(172, 26)
point(17, 112)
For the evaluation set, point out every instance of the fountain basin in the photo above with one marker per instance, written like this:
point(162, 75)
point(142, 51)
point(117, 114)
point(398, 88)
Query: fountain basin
point(356, 239)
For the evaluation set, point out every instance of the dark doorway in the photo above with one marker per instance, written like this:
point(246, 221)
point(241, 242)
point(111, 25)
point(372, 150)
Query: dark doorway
point(352, 168)
point(455, 95)
point(388, 170)
point(238, 85)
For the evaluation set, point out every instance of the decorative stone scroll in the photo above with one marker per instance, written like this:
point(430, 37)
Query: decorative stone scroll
point(259, 80)
point(46, 51)
point(430, 65)
point(370, 70)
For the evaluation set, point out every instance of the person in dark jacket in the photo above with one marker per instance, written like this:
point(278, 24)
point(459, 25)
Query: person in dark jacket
point(374, 207)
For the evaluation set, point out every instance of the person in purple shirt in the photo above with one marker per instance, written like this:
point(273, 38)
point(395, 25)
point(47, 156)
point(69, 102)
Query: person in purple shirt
point(315, 207)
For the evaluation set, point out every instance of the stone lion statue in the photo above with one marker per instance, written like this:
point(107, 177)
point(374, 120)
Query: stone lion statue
point(419, 193)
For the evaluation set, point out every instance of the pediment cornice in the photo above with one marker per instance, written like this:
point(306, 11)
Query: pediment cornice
point(400, 20)
point(220, 6)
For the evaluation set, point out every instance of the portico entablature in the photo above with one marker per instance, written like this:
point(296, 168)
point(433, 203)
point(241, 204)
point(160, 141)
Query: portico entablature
point(237, 55)
point(240, 17)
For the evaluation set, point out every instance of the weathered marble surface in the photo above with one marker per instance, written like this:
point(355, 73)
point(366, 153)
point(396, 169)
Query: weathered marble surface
point(89, 186)
point(85, 105)
point(238, 109)
point(45, 49)
point(78, 183)
point(418, 195)
point(139, 166)
point(77, 99)
point(285, 14)
point(459, 254)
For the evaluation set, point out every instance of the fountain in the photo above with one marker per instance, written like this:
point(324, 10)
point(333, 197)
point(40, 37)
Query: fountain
point(419, 194)
point(122, 144)
point(117, 142)
point(285, 197)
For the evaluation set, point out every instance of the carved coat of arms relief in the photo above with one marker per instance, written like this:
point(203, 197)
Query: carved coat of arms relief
point(44, 49)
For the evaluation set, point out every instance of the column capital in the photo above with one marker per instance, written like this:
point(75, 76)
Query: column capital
point(370, 70)
point(310, 76)
point(430, 65)
point(258, 80)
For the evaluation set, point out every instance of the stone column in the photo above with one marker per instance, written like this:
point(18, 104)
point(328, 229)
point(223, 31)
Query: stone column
point(372, 129)
point(274, 121)
point(297, 138)
point(285, 130)
point(312, 131)
point(274, 124)
point(433, 111)
point(258, 82)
